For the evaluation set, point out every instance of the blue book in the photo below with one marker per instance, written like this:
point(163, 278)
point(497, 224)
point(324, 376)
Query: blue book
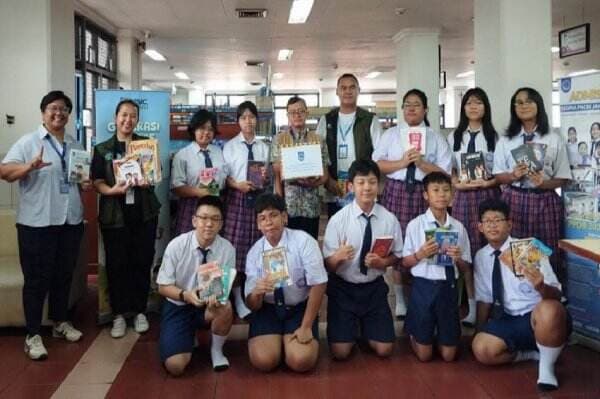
point(445, 239)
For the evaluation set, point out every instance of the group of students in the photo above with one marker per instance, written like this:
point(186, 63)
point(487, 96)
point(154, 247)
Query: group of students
point(417, 192)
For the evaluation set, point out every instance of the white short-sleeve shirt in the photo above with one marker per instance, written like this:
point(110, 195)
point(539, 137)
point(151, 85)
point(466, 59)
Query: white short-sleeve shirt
point(235, 154)
point(190, 160)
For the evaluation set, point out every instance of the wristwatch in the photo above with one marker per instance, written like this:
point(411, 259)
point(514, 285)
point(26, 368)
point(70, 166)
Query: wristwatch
point(181, 298)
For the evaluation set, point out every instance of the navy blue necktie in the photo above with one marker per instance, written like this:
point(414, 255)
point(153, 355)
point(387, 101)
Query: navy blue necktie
point(497, 288)
point(366, 244)
point(279, 303)
point(527, 137)
point(204, 254)
point(207, 160)
point(410, 177)
point(471, 145)
point(250, 153)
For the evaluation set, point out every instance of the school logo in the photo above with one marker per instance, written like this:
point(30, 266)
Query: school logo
point(526, 288)
point(300, 156)
point(565, 85)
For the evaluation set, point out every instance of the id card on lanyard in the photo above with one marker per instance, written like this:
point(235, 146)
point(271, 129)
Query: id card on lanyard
point(64, 182)
point(342, 152)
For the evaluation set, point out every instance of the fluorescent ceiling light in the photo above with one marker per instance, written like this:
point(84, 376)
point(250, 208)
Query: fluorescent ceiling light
point(585, 72)
point(300, 11)
point(285, 54)
point(182, 75)
point(155, 55)
point(554, 49)
point(278, 75)
point(465, 74)
point(372, 75)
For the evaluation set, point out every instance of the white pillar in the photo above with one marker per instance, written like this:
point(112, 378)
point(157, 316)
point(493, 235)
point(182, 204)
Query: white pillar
point(512, 49)
point(129, 66)
point(417, 67)
point(329, 98)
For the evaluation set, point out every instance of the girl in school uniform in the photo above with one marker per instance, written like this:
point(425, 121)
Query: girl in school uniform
point(536, 209)
point(474, 133)
point(198, 169)
point(240, 219)
point(405, 169)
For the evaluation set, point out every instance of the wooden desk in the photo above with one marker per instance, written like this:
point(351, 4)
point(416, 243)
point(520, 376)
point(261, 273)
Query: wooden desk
point(587, 248)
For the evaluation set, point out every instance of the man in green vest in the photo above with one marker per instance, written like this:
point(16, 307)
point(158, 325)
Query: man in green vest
point(351, 133)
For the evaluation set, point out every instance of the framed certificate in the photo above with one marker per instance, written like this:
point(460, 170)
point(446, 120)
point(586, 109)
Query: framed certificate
point(301, 161)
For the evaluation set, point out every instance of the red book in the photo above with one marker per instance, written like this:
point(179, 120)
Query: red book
point(382, 246)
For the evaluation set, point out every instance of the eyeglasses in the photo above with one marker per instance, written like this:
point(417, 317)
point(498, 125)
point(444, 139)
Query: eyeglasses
point(494, 222)
point(54, 109)
point(524, 103)
point(268, 216)
point(301, 112)
point(205, 219)
point(412, 105)
point(209, 129)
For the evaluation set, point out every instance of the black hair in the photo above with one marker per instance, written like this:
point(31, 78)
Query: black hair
point(362, 167)
point(55, 95)
point(494, 205)
point(210, 200)
point(345, 76)
point(515, 125)
point(130, 102)
point(573, 129)
point(580, 143)
point(295, 99)
point(422, 96)
point(436, 177)
point(592, 127)
point(246, 106)
point(489, 132)
point(199, 119)
point(269, 200)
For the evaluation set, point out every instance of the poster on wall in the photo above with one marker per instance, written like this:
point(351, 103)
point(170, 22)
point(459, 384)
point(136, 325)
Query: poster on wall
point(580, 125)
point(153, 122)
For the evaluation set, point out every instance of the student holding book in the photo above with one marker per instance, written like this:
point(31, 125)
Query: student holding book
point(283, 291)
point(405, 167)
point(128, 217)
point(240, 219)
point(357, 293)
point(301, 195)
point(198, 169)
point(536, 209)
point(183, 312)
point(433, 304)
point(518, 318)
point(475, 136)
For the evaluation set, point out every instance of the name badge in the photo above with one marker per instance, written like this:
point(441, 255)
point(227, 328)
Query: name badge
point(64, 185)
point(343, 151)
point(129, 196)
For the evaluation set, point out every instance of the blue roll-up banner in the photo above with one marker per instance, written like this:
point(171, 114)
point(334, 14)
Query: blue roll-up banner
point(580, 125)
point(153, 123)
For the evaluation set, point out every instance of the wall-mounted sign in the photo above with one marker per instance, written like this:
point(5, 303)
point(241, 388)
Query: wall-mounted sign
point(575, 40)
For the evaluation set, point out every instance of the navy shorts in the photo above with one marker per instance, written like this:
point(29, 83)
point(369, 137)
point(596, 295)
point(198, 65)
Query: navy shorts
point(433, 306)
point(353, 309)
point(178, 327)
point(265, 321)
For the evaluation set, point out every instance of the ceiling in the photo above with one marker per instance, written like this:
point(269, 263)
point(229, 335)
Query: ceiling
point(205, 39)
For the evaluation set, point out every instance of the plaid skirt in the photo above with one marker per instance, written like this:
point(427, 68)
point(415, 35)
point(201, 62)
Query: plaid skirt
point(465, 209)
point(186, 207)
point(538, 214)
point(240, 226)
point(406, 206)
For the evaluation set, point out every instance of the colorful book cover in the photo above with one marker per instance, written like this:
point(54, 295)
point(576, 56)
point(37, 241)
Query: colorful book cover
point(256, 174)
point(473, 167)
point(79, 166)
point(414, 137)
point(149, 159)
point(275, 265)
point(527, 253)
point(445, 239)
point(127, 170)
point(525, 154)
point(210, 282)
point(228, 278)
point(207, 179)
point(382, 246)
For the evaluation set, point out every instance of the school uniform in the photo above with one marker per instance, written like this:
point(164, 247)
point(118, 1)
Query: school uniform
point(465, 206)
point(535, 212)
point(519, 298)
point(282, 311)
point(240, 219)
point(357, 295)
point(186, 168)
point(179, 320)
point(433, 302)
point(402, 195)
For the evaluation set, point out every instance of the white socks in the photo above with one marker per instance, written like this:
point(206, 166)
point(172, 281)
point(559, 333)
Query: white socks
point(523, 356)
point(470, 318)
point(400, 303)
point(240, 305)
point(546, 377)
point(219, 361)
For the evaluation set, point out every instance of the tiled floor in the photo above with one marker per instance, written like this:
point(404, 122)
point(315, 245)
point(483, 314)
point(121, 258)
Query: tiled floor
point(363, 376)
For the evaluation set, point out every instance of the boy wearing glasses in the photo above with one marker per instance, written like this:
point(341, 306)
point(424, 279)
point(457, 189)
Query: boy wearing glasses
point(301, 195)
point(183, 312)
point(517, 318)
point(284, 320)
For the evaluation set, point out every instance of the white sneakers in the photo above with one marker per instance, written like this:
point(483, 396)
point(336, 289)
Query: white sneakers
point(34, 347)
point(67, 331)
point(140, 323)
point(119, 327)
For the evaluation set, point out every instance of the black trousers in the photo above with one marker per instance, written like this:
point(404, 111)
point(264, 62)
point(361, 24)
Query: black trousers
point(309, 225)
point(129, 253)
point(48, 256)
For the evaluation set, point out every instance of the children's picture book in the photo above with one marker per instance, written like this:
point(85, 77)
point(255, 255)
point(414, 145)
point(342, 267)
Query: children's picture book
point(207, 179)
point(414, 137)
point(429, 234)
point(79, 166)
point(127, 170)
point(149, 159)
point(525, 154)
point(257, 174)
point(275, 265)
point(527, 253)
point(382, 246)
point(445, 239)
point(210, 282)
point(472, 167)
